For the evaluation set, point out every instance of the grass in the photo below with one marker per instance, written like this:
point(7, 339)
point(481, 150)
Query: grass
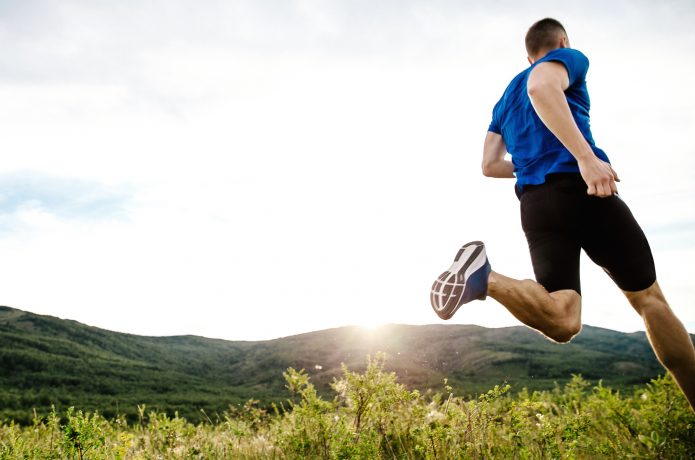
point(371, 415)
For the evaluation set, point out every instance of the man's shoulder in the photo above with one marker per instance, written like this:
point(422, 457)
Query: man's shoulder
point(570, 51)
point(565, 54)
point(576, 63)
point(519, 79)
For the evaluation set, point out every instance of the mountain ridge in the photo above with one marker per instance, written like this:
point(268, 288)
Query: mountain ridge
point(46, 360)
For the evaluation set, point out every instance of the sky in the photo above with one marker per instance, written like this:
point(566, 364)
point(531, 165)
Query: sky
point(252, 169)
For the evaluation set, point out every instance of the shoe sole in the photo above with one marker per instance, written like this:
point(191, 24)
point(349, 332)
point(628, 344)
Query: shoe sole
point(446, 295)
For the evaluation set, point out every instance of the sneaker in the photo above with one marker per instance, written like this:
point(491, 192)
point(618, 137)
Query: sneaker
point(465, 280)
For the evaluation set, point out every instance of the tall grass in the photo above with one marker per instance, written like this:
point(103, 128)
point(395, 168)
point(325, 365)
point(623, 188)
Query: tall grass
point(373, 416)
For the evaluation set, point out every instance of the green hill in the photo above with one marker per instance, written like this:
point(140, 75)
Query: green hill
point(46, 360)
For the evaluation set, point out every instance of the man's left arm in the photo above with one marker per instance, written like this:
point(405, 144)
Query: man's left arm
point(546, 87)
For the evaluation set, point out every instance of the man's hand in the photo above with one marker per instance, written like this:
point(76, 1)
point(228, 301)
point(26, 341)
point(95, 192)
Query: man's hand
point(599, 177)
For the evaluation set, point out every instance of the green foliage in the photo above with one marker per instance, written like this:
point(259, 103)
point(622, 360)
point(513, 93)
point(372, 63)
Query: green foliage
point(371, 416)
point(218, 399)
point(47, 361)
point(82, 433)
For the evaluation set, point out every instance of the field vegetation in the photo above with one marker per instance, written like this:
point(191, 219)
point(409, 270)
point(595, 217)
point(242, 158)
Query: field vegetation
point(47, 361)
point(370, 415)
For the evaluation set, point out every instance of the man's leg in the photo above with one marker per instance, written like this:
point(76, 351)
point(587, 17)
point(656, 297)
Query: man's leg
point(557, 314)
point(551, 219)
point(669, 338)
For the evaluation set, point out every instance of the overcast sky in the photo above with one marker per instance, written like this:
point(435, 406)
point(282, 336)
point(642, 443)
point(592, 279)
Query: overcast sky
point(255, 169)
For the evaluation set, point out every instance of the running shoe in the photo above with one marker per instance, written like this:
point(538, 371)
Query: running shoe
point(465, 280)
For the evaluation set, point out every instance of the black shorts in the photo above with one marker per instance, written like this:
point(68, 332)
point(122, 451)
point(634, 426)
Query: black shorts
point(559, 219)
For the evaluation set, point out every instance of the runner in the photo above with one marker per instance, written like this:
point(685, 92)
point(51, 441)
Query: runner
point(568, 202)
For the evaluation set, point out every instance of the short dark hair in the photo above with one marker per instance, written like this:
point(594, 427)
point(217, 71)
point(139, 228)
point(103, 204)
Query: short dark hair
point(543, 35)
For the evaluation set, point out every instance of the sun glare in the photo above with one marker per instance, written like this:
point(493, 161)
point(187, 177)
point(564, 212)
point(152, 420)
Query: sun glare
point(372, 325)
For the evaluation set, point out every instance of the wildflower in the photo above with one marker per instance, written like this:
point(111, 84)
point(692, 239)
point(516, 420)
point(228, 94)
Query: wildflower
point(340, 387)
point(434, 415)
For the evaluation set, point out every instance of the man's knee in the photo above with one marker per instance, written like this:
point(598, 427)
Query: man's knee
point(568, 323)
point(565, 332)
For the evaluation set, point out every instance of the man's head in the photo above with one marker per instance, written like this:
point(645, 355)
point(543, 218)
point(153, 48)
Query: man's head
point(543, 36)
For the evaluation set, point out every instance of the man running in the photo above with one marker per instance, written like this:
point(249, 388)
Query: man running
point(569, 202)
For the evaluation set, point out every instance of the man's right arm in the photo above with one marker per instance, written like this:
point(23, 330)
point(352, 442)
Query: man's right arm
point(494, 164)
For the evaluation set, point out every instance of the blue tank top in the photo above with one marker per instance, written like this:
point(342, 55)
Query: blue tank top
point(535, 151)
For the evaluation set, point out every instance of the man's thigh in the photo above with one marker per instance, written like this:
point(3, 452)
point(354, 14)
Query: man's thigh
point(550, 220)
point(613, 239)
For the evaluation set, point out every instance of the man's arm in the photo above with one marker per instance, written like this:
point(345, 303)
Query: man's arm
point(546, 88)
point(494, 164)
